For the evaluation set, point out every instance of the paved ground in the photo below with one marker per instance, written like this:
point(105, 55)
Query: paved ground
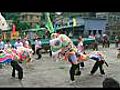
point(48, 73)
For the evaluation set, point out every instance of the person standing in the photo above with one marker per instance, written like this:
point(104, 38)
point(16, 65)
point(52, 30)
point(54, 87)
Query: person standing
point(98, 57)
point(80, 48)
point(38, 47)
point(74, 64)
point(26, 43)
point(2, 44)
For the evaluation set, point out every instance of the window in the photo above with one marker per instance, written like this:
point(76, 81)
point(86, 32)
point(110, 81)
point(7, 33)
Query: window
point(104, 17)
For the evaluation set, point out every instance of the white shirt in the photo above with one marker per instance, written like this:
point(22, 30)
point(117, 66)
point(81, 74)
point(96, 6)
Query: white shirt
point(26, 43)
point(38, 44)
point(96, 56)
point(1, 45)
point(8, 45)
point(17, 45)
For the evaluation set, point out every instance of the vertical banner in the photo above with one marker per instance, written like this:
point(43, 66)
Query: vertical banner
point(49, 24)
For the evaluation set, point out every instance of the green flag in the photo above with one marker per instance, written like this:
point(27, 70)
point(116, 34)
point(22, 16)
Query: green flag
point(49, 24)
point(74, 22)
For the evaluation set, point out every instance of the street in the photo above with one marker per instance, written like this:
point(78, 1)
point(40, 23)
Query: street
point(48, 73)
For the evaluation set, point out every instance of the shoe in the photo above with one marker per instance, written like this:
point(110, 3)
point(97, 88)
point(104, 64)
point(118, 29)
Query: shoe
point(103, 75)
point(71, 82)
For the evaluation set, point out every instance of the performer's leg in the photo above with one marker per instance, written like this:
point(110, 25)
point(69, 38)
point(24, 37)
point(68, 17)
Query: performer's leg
point(20, 74)
point(95, 67)
point(13, 72)
point(13, 66)
point(101, 67)
point(38, 53)
point(33, 48)
point(72, 72)
point(82, 64)
point(50, 52)
point(78, 72)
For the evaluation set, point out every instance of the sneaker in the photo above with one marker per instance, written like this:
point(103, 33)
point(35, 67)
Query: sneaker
point(71, 82)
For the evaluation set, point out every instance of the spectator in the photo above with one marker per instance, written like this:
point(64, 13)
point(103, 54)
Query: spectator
point(1, 44)
point(110, 83)
point(26, 43)
point(18, 43)
point(80, 48)
point(8, 44)
point(38, 47)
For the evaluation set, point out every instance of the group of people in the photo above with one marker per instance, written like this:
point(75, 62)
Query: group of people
point(76, 55)
point(23, 49)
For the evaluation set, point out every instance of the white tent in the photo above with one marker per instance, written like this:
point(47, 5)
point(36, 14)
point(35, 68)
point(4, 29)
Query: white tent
point(3, 24)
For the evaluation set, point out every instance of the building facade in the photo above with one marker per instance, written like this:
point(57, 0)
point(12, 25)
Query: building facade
point(84, 26)
point(113, 19)
point(32, 18)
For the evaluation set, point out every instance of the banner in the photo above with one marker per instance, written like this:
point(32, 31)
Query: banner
point(49, 24)
point(74, 22)
point(13, 29)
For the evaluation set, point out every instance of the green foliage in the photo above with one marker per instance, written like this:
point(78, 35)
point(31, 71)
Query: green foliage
point(16, 21)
